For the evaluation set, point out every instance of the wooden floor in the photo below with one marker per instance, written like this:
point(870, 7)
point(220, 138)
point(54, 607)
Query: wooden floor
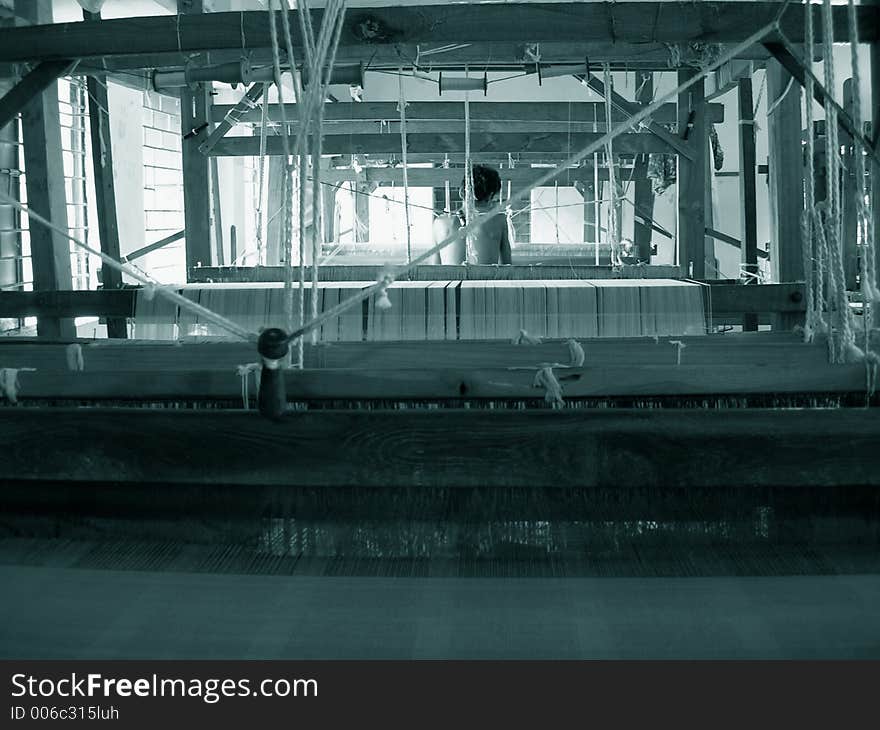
point(87, 614)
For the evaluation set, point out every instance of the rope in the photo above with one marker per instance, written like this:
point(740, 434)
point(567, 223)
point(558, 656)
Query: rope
point(842, 341)
point(264, 121)
point(612, 182)
point(401, 107)
point(813, 316)
point(521, 193)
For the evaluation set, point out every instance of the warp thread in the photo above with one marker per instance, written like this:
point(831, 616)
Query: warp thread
point(576, 353)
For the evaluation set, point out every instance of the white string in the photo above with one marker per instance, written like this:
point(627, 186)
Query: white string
point(401, 105)
point(469, 206)
point(612, 177)
point(264, 121)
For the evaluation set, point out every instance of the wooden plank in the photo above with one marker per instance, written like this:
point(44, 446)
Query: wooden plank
point(141, 252)
point(564, 269)
point(779, 350)
point(748, 189)
point(376, 144)
point(622, 449)
point(453, 111)
point(438, 176)
point(644, 188)
point(740, 299)
point(875, 124)
point(41, 127)
point(194, 117)
point(34, 82)
point(633, 23)
point(786, 176)
point(49, 304)
point(102, 166)
point(232, 115)
point(691, 185)
point(437, 384)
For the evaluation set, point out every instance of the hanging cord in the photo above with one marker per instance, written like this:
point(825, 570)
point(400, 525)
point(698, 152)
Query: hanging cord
point(470, 228)
point(865, 230)
point(401, 107)
point(612, 177)
point(264, 123)
point(841, 342)
point(814, 318)
point(469, 206)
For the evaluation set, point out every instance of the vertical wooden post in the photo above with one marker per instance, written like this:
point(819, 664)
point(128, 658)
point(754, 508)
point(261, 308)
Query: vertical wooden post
point(102, 164)
point(10, 219)
point(194, 107)
point(849, 197)
point(692, 179)
point(644, 192)
point(588, 192)
point(216, 209)
point(44, 171)
point(748, 190)
point(875, 126)
point(785, 173)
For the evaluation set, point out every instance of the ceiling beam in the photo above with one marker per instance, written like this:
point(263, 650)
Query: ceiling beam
point(371, 144)
point(367, 29)
point(436, 177)
point(480, 111)
point(35, 82)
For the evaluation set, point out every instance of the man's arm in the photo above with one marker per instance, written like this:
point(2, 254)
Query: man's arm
point(505, 256)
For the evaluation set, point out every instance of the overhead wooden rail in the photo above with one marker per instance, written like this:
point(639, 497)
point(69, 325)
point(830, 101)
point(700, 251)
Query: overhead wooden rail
point(562, 112)
point(34, 82)
point(580, 23)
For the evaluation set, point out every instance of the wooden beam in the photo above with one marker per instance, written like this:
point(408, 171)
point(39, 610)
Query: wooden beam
point(232, 115)
point(629, 108)
point(875, 124)
point(41, 126)
point(633, 23)
point(141, 252)
point(35, 82)
point(194, 118)
point(849, 199)
point(748, 189)
point(692, 181)
point(66, 304)
point(644, 188)
point(102, 166)
point(451, 111)
point(436, 177)
point(792, 62)
point(786, 175)
point(638, 449)
point(726, 298)
point(378, 144)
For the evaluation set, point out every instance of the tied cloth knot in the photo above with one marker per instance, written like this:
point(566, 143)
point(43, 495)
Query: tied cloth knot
point(75, 360)
point(9, 385)
point(679, 346)
point(244, 372)
point(545, 379)
point(575, 353)
point(382, 300)
point(524, 338)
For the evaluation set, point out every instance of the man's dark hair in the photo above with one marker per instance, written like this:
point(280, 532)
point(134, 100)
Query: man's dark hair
point(487, 182)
